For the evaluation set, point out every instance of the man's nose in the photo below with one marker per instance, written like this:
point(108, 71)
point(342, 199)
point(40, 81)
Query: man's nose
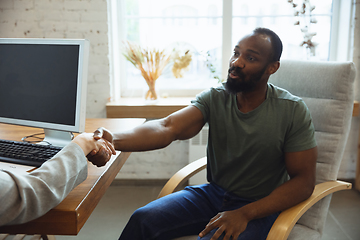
point(238, 62)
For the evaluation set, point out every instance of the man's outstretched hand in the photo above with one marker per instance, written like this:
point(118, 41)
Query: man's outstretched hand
point(103, 155)
point(103, 133)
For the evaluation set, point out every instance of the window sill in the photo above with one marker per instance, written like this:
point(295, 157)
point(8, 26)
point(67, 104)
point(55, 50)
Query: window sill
point(138, 108)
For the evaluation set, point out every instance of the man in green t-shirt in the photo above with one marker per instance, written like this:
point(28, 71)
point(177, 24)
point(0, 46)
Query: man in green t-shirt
point(261, 153)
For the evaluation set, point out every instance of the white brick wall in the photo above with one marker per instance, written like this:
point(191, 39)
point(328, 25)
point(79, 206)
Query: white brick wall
point(157, 164)
point(66, 19)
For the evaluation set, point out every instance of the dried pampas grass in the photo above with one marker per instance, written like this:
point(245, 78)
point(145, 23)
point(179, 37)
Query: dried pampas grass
point(151, 63)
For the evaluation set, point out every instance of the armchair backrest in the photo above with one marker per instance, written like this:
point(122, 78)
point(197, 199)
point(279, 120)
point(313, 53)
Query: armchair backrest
point(328, 90)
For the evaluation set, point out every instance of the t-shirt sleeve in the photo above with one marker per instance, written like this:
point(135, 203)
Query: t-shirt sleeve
point(301, 133)
point(202, 102)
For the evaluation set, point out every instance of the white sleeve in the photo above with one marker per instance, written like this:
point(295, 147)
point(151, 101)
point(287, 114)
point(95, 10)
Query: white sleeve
point(24, 197)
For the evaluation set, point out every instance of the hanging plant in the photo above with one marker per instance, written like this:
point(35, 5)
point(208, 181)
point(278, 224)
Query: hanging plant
point(209, 61)
point(304, 19)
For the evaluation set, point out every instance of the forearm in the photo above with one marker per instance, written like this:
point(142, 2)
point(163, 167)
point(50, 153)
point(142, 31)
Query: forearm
point(157, 134)
point(301, 167)
point(285, 196)
point(149, 136)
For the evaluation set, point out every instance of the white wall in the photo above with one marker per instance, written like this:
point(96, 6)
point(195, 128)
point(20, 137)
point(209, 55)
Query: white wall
point(88, 19)
point(65, 19)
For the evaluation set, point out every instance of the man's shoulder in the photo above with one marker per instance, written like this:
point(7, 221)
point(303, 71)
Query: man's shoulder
point(217, 91)
point(279, 93)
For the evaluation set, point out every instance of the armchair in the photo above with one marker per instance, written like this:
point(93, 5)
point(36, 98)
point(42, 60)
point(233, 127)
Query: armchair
point(327, 89)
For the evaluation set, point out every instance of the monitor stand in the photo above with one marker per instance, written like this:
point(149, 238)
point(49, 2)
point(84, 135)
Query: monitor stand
point(57, 138)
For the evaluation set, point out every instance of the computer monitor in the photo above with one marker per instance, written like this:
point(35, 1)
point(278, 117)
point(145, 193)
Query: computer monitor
point(43, 84)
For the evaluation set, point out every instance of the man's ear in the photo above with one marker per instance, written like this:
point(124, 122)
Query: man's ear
point(273, 67)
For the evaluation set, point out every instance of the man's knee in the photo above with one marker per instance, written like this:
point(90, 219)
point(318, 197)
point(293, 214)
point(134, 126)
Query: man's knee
point(143, 214)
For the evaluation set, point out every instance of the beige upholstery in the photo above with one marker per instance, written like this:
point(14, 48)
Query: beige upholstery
point(327, 89)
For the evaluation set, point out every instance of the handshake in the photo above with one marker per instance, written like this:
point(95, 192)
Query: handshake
point(98, 146)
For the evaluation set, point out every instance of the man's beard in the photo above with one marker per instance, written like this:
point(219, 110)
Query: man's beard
point(236, 85)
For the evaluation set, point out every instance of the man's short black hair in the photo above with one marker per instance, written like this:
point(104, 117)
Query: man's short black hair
point(275, 42)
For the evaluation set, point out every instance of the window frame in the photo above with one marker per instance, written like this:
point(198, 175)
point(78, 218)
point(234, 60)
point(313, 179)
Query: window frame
point(341, 38)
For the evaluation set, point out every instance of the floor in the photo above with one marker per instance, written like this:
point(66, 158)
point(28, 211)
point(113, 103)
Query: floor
point(117, 205)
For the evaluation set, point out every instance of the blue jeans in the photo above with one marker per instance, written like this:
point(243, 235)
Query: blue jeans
point(187, 212)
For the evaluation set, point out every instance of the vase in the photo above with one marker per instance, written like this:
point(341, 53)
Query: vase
point(150, 93)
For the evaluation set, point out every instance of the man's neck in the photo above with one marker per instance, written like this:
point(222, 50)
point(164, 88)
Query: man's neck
point(248, 101)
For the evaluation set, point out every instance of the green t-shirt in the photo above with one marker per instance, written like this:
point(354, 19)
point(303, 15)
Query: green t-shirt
point(245, 151)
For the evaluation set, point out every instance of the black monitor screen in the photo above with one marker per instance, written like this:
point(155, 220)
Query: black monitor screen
point(38, 82)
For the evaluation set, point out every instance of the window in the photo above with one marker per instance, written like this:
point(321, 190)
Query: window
point(210, 29)
point(279, 16)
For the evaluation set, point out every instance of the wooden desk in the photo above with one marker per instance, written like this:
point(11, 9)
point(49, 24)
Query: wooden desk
point(71, 214)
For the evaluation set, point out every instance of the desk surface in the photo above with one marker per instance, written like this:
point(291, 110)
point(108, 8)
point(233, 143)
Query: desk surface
point(71, 214)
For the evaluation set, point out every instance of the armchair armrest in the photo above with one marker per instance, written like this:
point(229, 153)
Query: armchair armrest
point(183, 175)
point(287, 219)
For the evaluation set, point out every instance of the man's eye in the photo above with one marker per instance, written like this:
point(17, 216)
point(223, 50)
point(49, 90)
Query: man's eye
point(250, 58)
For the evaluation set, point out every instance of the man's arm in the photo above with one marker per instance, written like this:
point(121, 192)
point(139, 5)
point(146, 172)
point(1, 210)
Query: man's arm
point(156, 134)
point(301, 167)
